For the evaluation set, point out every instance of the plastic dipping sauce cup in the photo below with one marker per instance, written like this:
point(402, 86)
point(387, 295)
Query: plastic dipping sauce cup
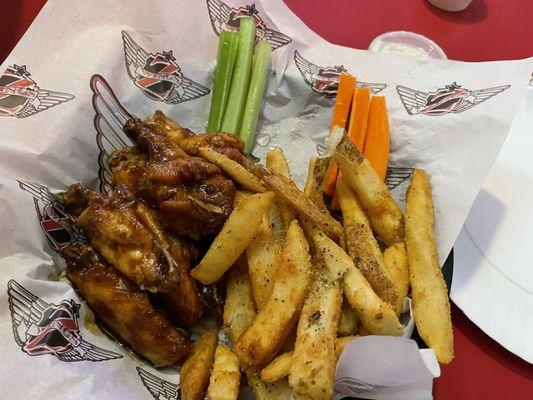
point(407, 44)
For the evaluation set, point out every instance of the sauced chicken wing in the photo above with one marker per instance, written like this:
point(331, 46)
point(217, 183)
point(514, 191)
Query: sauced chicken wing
point(128, 236)
point(193, 196)
point(185, 304)
point(123, 307)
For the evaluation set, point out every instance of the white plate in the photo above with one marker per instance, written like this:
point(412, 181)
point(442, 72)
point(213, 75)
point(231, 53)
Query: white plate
point(493, 269)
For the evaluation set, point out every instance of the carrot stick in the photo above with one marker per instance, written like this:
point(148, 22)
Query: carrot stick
point(341, 109)
point(359, 117)
point(357, 126)
point(376, 148)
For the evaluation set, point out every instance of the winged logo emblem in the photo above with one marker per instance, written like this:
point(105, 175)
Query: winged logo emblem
point(41, 328)
point(158, 75)
point(57, 224)
point(226, 18)
point(325, 80)
point(452, 98)
point(110, 117)
point(159, 388)
point(20, 97)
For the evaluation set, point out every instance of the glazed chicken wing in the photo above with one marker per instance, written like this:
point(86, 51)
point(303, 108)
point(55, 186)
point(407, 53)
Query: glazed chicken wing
point(123, 307)
point(126, 233)
point(193, 195)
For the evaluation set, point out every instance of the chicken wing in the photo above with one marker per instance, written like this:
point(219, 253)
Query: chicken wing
point(193, 195)
point(185, 304)
point(126, 233)
point(124, 308)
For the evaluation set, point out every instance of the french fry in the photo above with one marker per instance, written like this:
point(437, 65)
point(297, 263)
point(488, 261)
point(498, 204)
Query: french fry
point(195, 372)
point(278, 368)
point(348, 321)
point(288, 191)
point(239, 307)
point(312, 372)
point(316, 177)
point(281, 365)
point(226, 376)
point(280, 214)
point(395, 258)
point(374, 314)
point(276, 161)
point(235, 170)
point(431, 306)
point(263, 258)
point(233, 238)
point(363, 247)
point(341, 343)
point(385, 216)
point(263, 339)
point(279, 390)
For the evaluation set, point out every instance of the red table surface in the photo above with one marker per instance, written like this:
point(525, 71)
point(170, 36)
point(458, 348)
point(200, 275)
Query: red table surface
point(487, 30)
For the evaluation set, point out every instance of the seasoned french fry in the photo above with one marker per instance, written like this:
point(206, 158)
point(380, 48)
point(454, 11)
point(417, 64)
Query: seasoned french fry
point(280, 214)
point(348, 321)
point(312, 372)
point(233, 238)
point(395, 258)
point(279, 390)
point(235, 170)
point(195, 372)
point(276, 161)
point(317, 174)
point(278, 368)
point(374, 314)
point(281, 365)
point(289, 192)
point(341, 344)
point(226, 376)
point(384, 214)
point(263, 259)
point(363, 247)
point(263, 339)
point(239, 307)
point(431, 306)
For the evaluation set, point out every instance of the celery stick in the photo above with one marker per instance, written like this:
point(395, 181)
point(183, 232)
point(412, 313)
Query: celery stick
point(255, 94)
point(241, 77)
point(227, 51)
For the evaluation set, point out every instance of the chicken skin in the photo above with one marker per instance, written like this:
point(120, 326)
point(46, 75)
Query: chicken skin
point(124, 308)
point(193, 196)
point(127, 234)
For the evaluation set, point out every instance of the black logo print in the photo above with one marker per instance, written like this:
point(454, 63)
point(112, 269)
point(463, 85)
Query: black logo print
point(325, 80)
point(158, 388)
point(41, 328)
point(395, 176)
point(158, 75)
point(449, 99)
point(20, 96)
point(226, 18)
point(110, 116)
point(58, 225)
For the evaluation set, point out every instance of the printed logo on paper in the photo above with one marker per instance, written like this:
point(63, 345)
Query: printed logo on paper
point(110, 116)
point(226, 18)
point(349, 386)
point(41, 328)
point(325, 80)
point(20, 96)
point(159, 388)
point(158, 75)
point(58, 225)
point(452, 98)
